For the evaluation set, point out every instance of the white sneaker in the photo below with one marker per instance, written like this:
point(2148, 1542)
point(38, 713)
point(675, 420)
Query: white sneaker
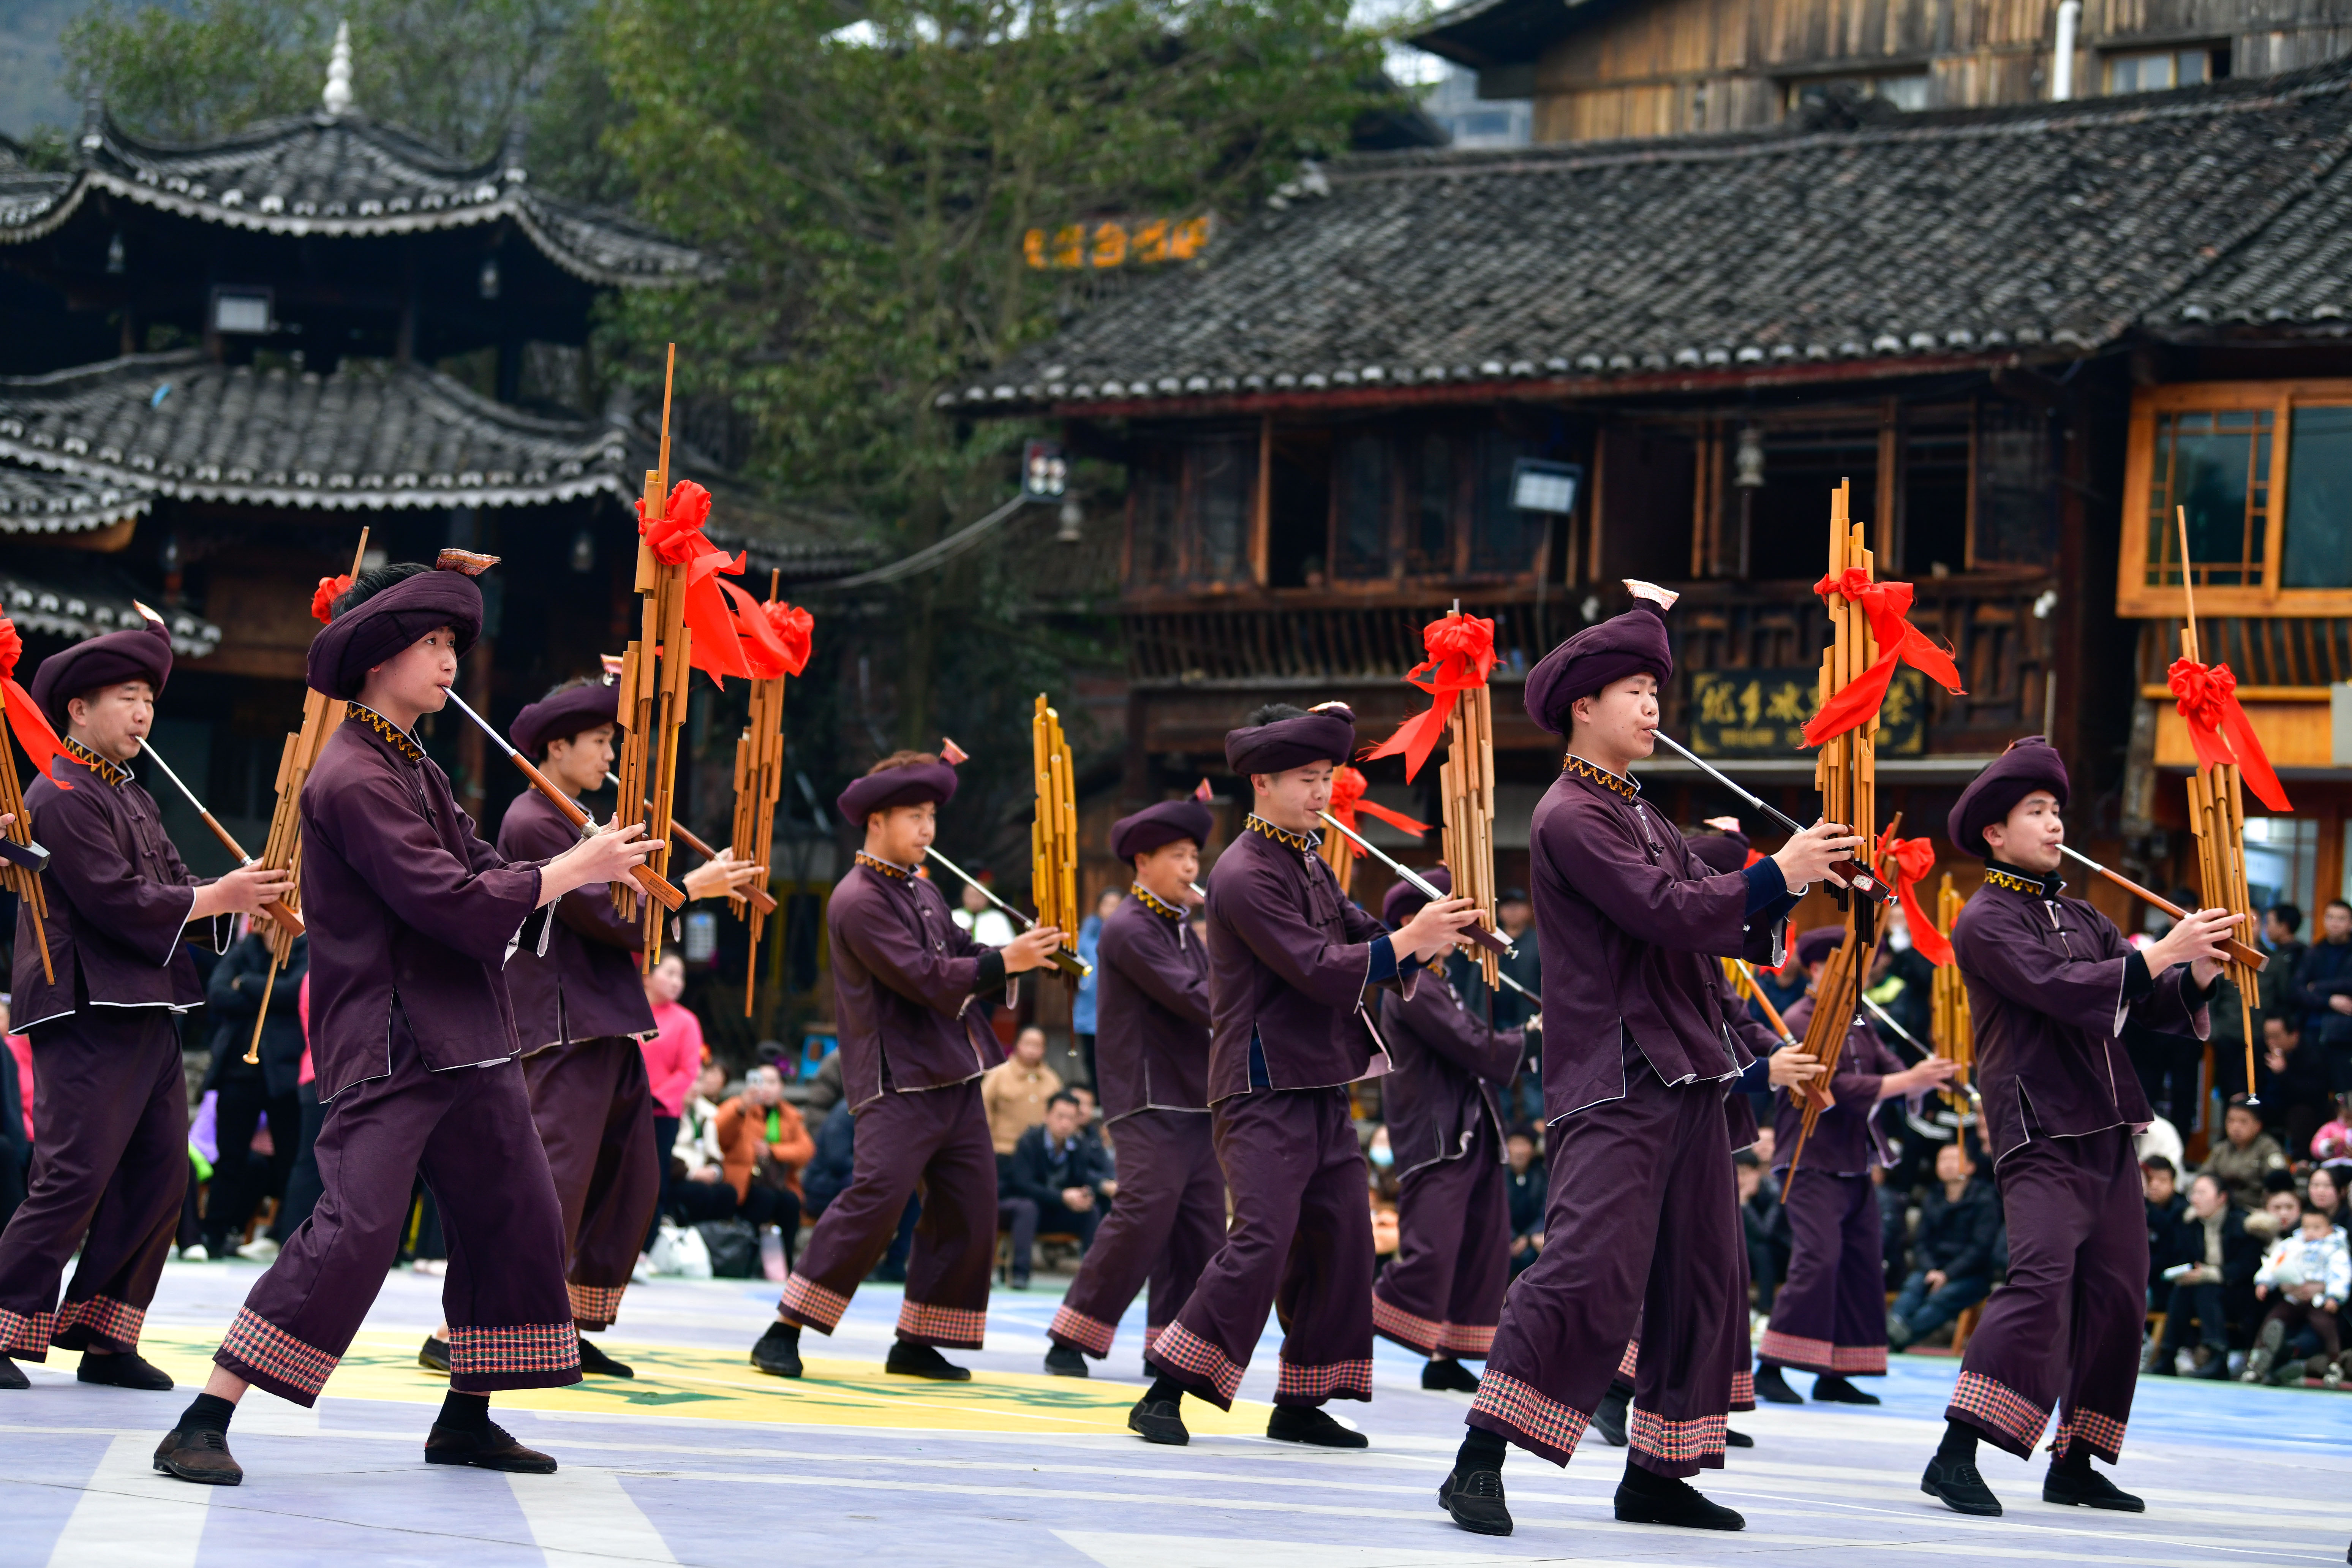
point(260, 1249)
point(437, 1267)
point(195, 1254)
point(644, 1271)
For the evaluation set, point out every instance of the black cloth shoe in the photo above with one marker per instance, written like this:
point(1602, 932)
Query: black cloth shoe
point(923, 1360)
point(1830, 1389)
point(1475, 1501)
point(1447, 1375)
point(2216, 1368)
point(201, 1456)
point(1609, 1416)
point(777, 1353)
point(1311, 1425)
point(1067, 1360)
point(1018, 1282)
point(488, 1445)
point(1732, 1440)
point(594, 1363)
point(2085, 1487)
point(124, 1369)
point(433, 1355)
point(1773, 1389)
point(1158, 1421)
point(1668, 1499)
point(1960, 1486)
point(12, 1375)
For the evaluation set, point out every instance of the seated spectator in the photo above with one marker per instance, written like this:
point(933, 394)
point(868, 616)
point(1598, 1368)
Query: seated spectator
point(1015, 1091)
point(2328, 1194)
point(2332, 1141)
point(2215, 1260)
point(761, 1147)
point(2165, 1209)
point(1057, 1182)
point(2245, 1155)
point(1951, 1259)
point(2305, 1276)
point(1762, 1221)
point(1090, 1122)
point(2294, 1084)
point(1525, 1184)
point(2282, 934)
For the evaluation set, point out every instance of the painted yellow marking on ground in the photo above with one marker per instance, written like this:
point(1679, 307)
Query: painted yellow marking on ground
point(716, 1385)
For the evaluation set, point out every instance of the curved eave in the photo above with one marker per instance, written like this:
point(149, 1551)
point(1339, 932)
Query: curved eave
point(31, 527)
point(355, 494)
point(36, 606)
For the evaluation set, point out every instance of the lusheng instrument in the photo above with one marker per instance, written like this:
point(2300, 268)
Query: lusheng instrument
point(1836, 997)
point(652, 697)
point(1493, 941)
point(1465, 788)
point(276, 907)
point(1054, 831)
point(760, 774)
point(1949, 1027)
point(1349, 804)
point(22, 860)
point(2253, 958)
point(1849, 874)
point(1064, 959)
point(1743, 982)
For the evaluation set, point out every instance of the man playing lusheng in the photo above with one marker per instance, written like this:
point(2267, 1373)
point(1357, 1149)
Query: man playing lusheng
point(411, 917)
point(1152, 1046)
point(1290, 961)
point(111, 1104)
point(2050, 984)
point(1638, 1054)
point(911, 993)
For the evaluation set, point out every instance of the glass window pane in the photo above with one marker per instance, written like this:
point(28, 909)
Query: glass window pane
point(2320, 500)
point(1225, 484)
point(1157, 488)
point(1504, 538)
point(2188, 68)
point(1431, 541)
point(1363, 543)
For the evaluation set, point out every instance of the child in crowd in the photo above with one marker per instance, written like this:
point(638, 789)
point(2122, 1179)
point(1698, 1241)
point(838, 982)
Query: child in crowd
point(2306, 1276)
point(2160, 1182)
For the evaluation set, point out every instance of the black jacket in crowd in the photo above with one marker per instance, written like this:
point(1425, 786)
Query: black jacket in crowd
point(233, 996)
point(2324, 971)
point(1034, 1171)
point(1527, 1191)
point(1961, 1237)
point(2242, 1253)
point(2163, 1237)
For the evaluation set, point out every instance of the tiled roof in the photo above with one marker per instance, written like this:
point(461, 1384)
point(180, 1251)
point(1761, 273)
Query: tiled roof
point(368, 436)
point(330, 175)
point(33, 504)
point(2043, 228)
point(79, 599)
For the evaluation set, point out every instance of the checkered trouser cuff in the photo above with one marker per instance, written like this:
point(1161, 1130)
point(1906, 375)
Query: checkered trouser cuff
point(942, 1325)
point(595, 1306)
point(2102, 1435)
point(1676, 1442)
point(26, 1334)
point(1629, 1363)
point(257, 1343)
point(1743, 1390)
point(116, 1322)
point(1998, 1408)
point(1091, 1335)
point(1795, 1350)
point(513, 1349)
point(810, 1304)
point(1529, 1412)
point(1325, 1380)
point(1182, 1349)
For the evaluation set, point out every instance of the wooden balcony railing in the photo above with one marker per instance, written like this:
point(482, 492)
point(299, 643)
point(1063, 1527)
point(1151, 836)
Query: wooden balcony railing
point(2261, 651)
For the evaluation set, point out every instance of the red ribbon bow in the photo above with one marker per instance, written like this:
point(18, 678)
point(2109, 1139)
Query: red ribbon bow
point(1461, 656)
point(2219, 730)
point(794, 628)
point(1913, 859)
point(322, 599)
point(1887, 605)
point(723, 617)
point(24, 715)
point(1348, 786)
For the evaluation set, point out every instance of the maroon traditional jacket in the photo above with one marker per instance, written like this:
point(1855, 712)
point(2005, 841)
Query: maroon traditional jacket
point(1630, 924)
point(1448, 1065)
point(575, 976)
point(1151, 1011)
point(1846, 1140)
point(2049, 990)
point(118, 897)
point(905, 976)
point(411, 915)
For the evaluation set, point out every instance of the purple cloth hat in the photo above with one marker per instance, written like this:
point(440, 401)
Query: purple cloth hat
point(1156, 825)
point(1612, 650)
point(367, 634)
point(140, 652)
point(909, 786)
point(2029, 764)
point(1816, 945)
point(1404, 901)
point(1327, 734)
point(560, 715)
point(1720, 852)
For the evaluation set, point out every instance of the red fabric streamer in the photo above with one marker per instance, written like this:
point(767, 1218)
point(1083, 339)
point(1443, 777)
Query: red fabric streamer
point(1913, 859)
point(1888, 605)
point(1348, 786)
point(2219, 730)
point(1461, 656)
point(24, 715)
point(791, 628)
point(322, 601)
point(720, 627)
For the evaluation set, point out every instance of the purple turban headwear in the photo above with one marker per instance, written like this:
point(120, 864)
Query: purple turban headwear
point(908, 786)
point(1816, 945)
point(1404, 901)
point(2029, 764)
point(139, 653)
point(560, 715)
point(369, 633)
point(1720, 852)
point(1155, 826)
point(1325, 734)
point(1612, 650)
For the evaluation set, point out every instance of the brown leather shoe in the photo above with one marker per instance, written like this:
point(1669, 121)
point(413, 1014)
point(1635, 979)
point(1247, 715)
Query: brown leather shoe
point(201, 1456)
point(489, 1447)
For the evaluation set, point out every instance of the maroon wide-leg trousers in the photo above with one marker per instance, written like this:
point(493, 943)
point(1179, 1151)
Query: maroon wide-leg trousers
point(1442, 1293)
point(1301, 1242)
point(1166, 1223)
point(1624, 1174)
point(1830, 1315)
point(594, 1110)
point(469, 1131)
point(937, 1138)
point(2066, 1326)
point(110, 1170)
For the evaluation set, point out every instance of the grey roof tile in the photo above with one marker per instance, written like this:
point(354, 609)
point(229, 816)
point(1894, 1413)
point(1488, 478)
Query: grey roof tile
point(35, 504)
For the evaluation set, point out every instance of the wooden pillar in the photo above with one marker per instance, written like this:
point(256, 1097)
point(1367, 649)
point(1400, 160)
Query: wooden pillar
point(1262, 506)
point(2327, 870)
point(1886, 525)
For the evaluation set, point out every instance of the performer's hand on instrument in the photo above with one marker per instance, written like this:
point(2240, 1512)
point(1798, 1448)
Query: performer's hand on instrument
point(1789, 1065)
point(607, 855)
point(1032, 948)
point(723, 874)
point(2196, 941)
point(1435, 929)
point(1926, 1074)
point(244, 890)
point(1807, 857)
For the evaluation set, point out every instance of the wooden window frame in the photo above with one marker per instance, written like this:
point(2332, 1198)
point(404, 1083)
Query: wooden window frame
point(2134, 595)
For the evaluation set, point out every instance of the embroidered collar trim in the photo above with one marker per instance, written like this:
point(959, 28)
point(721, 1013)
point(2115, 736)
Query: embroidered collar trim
point(2013, 879)
point(888, 869)
point(1165, 910)
point(1306, 843)
point(1601, 776)
point(403, 744)
point(107, 768)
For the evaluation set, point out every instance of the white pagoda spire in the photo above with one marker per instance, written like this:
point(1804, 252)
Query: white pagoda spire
point(338, 95)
